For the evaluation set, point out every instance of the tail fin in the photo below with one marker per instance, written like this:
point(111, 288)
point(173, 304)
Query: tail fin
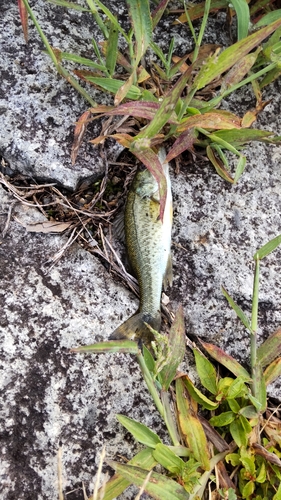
point(135, 328)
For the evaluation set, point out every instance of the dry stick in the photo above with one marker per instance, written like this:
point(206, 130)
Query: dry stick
point(10, 209)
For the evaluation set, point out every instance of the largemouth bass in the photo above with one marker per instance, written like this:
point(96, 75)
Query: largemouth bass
point(148, 243)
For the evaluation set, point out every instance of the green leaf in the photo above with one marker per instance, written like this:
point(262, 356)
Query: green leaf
point(270, 348)
point(249, 412)
point(168, 459)
point(238, 433)
point(127, 346)
point(261, 477)
point(112, 49)
point(233, 405)
point(226, 360)
point(159, 486)
point(243, 17)
point(233, 458)
point(141, 21)
point(237, 388)
point(277, 495)
point(81, 60)
point(246, 425)
point(269, 18)
point(218, 64)
point(206, 372)
point(177, 345)
point(117, 484)
point(248, 489)
point(237, 309)
point(191, 427)
point(273, 371)
point(149, 359)
point(240, 168)
point(113, 85)
point(141, 433)
point(238, 137)
point(260, 387)
point(198, 396)
point(223, 419)
point(268, 248)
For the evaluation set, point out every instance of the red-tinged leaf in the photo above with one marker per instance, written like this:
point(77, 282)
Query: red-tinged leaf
point(158, 12)
point(123, 91)
point(184, 142)
point(226, 360)
point(191, 427)
point(140, 109)
point(23, 18)
point(219, 166)
point(79, 132)
point(153, 164)
point(239, 70)
point(84, 74)
point(214, 120)
point(273, 371)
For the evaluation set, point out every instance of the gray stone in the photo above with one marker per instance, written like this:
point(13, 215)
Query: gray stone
point(38, 107)
point(53, 398)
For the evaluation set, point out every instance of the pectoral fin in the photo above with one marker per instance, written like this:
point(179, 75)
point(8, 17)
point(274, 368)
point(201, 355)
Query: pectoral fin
point(168, 276)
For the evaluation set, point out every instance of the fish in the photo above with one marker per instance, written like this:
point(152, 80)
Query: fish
point(148, 244)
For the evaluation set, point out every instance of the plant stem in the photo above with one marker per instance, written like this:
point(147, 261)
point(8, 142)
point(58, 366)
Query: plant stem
point(202, 30)
point(254, 325)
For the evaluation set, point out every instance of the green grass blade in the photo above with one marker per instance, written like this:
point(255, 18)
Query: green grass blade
point(243, 17)
point(141, 433)
point(113, 85)
point(237, 309)
point(269, 18)
point(141, 21)
point(117, 484)
point(69, 5)
point(112, 49)
point(81, 60)
point(159, 487)
point(218, 64)
point(267, 248)
point(127, 346)
point(111, 17)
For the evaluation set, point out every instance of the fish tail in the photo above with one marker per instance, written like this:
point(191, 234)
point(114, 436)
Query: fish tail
point(135, 328)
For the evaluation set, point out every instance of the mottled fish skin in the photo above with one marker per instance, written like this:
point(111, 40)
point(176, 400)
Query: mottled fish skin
point(148, 242)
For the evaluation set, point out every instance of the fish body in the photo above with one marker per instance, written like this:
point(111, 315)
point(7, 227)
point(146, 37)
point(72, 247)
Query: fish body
point(148, 242)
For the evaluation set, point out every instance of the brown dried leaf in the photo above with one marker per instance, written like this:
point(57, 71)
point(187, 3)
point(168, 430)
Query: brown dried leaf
point(24, 19)
point(79, 132)
point(47, 227)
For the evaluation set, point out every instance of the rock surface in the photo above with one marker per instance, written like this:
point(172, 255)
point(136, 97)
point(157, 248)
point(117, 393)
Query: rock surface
point(52, 398)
